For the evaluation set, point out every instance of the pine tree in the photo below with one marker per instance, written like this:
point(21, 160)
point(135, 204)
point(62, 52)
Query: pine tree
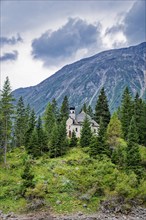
point(42, 137)
point(62, 137)
point(126, 112)
point(6, 109)
point(114, 131)
point(102, 147)
point(33, 147)
point(102, 109)
point(86, 133)
point(27, 177)
point(54, 146)
point(90, 111)
point(20, 124)
point(142, 132)
point(49, 119)
point(133, 155)
point(31, 127)
point(93, 147)
point(64, 111)
point(73, 140)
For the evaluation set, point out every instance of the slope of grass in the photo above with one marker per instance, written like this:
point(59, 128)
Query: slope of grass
point(71, 183)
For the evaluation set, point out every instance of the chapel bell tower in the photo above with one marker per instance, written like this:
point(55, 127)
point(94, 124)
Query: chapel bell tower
point(72, 112)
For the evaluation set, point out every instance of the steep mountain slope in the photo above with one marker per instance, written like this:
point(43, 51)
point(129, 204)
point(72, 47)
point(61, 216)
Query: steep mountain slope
point(82, 80)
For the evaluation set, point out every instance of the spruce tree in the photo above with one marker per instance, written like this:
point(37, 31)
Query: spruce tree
point(31, 127)
point(64, 110)
point(102, 147)
point(20, 124)
point(90, 111)
point(126, 112)
point(114, 131)
point(102, 109)
point(54, 145)
point(6, 111)
point(41, 136)
point(55, 109)
point(73, 140)
point(84, 108)
point(86, 133)
point(49, 119)
point(62, 137)
point(133, 155)
point(142, 132)
point(93, 147)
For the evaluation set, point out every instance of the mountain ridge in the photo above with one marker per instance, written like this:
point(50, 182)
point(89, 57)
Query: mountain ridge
point(82, 80)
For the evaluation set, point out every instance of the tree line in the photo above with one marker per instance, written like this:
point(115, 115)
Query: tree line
point(119, 135)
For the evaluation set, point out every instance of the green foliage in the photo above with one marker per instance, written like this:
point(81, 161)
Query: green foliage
point(31, 127)
point(73, 140)
point(102, 109)
point(126, 112)
point(86, 133)
point(6, 113)
point(114, 131)
point(27, 177)
point(20, 124)
point(64, 111)
point(133, 154)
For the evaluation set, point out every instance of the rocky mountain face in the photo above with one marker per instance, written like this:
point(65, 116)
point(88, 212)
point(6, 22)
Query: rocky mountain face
point(83, 80)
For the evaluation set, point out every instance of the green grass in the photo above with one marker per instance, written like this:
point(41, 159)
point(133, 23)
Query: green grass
point(68, 184)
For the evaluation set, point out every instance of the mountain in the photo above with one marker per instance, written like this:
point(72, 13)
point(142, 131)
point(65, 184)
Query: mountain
point(82, 81)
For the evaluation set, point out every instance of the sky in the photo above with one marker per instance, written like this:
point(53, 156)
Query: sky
point(38, 37)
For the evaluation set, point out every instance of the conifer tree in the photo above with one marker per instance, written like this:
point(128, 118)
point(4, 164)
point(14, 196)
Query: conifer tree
point(102, 147)
point(90, 111)
point(62, 137)
point(142, 132)
point(42, 137)
point(54, 146)
point(64, 111)
point(84, 108)
point(20, 124)
point(114, 131)
point(33, 147)
point(133, 155)
point(6, 109)
point(86, 133)
point(27, 177)
point(73, 140)
point(126, 112)
point(102, 109)
point(49, 119)
point(93, 147)
point(31, 127)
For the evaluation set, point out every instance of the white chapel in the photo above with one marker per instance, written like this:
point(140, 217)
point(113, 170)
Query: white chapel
point(75, 123)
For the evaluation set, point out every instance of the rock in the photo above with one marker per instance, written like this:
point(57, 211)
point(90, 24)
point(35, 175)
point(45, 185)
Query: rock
point(58, 202)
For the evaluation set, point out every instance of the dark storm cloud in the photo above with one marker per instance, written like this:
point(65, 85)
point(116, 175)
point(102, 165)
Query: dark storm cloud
point(9, 56)
point(76, 34)
point(10, 41)
point(135, 23)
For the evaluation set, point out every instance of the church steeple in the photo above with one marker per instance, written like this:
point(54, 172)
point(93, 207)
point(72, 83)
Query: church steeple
point(72, 112)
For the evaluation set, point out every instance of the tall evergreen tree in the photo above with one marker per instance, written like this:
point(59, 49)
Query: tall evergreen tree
point(54, 146)
point(142, 133)
point(64, 111)
point(93, 146)
point(102, 147)
point(73, 140)
point(114, 131)
point(90, 111)
point(31, 127)
point(42, 137)
point(102, 109)
point(126, 112)
point(49, 119)
point(86, 133)
point(55, 109)
point(20, 124)
point(6, 109)
point(133, 155)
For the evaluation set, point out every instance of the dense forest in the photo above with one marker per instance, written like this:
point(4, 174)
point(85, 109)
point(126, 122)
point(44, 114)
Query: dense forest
point(50, 167)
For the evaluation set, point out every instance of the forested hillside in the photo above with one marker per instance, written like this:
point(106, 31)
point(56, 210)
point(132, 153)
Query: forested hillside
point(41, 167)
